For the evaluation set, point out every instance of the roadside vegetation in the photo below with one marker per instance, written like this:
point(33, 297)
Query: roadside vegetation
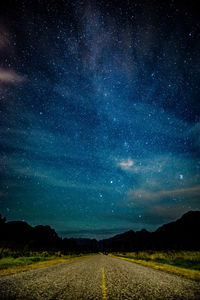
point(23, 247)
point(183, 263)
point(182, 259)
point(15, 261)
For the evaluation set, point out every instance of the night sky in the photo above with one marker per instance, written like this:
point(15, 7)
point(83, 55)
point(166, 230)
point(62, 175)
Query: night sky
point(99, 114)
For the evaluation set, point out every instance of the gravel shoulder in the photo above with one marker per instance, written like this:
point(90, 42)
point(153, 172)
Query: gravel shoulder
point(82, 279)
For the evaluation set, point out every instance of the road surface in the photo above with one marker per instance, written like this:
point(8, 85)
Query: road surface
point(97, 277)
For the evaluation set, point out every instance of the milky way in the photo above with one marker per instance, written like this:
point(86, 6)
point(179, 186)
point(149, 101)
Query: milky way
point(99, 112)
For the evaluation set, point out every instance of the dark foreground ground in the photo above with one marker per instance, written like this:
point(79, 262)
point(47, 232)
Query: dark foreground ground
point(84, 279)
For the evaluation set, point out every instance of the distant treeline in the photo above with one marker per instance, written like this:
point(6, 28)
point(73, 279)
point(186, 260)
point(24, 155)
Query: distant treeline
point(182, 234)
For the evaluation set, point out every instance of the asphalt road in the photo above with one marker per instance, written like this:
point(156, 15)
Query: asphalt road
point(97, 277)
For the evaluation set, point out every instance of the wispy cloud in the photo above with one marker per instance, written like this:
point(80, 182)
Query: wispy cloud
point(154, 164)
point(10, 76)
point(140, 196)
point(126, 164)
point(54, 178)
point(166, 186)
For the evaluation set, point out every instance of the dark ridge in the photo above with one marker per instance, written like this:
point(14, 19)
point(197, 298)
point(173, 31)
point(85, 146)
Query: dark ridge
point(182, 234)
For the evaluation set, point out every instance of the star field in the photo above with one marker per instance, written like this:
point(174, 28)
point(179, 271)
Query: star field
point(99, 114)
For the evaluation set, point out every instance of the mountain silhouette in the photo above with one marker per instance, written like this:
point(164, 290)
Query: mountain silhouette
point(127, 241)
point(16, 231)
point(182, 234)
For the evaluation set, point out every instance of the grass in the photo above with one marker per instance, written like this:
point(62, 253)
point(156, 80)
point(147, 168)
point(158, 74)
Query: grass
point(185, 263)
point(7, 262)
point(12, 269)
point(182, 259)
point(11, 265)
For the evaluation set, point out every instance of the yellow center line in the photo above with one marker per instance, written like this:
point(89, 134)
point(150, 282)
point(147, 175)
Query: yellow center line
point(104, 295)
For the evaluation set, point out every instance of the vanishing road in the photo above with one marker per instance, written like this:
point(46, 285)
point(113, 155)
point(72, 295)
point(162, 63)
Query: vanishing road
point(97, 277)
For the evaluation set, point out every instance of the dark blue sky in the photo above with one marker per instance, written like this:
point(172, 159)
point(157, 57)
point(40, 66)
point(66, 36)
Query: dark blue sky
point(99, 114)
